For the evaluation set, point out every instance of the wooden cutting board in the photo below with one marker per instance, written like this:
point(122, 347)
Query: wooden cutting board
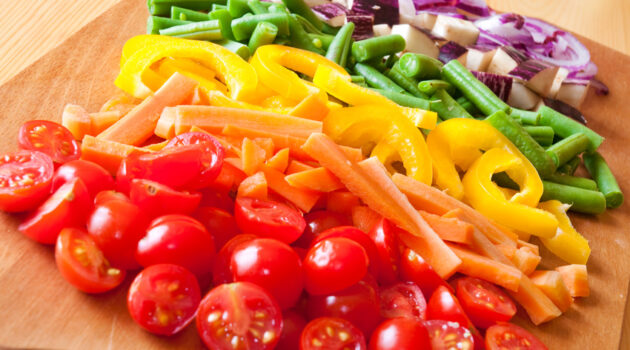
point(39, 309)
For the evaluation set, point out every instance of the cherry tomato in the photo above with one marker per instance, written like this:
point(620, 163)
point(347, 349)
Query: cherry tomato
point(211, 197)
point(403, 300)
point(358, 236)
point(212, 160)
point(25, 180)
point(331, 333)
point(334, 264)
point(358, 304)
point(268, 219)
point(384, 238)
point(180, 240)
point(415, 269)
point(106, 196)
point(155, 199)
point(484, 303)
point(400, 334)
point(94, 176)
point(82, 263)
point(447, 335)
point(294, 323)
point(117, 226)
point(239, 315)
point(443, 305)
point(272, 265)
point(221, 272)
point(318, 222)
point(69, 206)
point(218, 222)
point(163, 298)
point(507, 336)
point(50, 138)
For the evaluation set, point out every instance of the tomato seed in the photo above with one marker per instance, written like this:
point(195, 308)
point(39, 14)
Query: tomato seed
point(213, 317)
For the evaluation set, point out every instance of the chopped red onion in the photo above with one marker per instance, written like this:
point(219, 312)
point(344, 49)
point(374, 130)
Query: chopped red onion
point(501, 85)
point(451, 51)
point(565, 109)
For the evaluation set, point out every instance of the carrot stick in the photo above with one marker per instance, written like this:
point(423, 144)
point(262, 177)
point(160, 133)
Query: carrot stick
point(449, 229)
point(575, 277)
point(253, 157)
point(529, 246)
point(525, 260)
point(107, 154)
point(302, 198)
point(317, 179)
point(100, 121)
point(507, 251)
point(312, 107)
point(364, 218)
point(296, 166)
point(139, 124)
point(156, 146)
point(551, 283)
point(230, 176)
point(280, 160)
point(266, 144)
point(232, 149)
point(77, 120)
point(293, 143)
point(341, 202)
point(254, 186)
point(165, 126)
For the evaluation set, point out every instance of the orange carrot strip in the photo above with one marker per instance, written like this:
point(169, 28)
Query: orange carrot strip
point(296, 166)
point(107, 154)
point(253, 157)
point(312, 107)
point(364, 218)
point(317, 179)
point(575, 277)
point(199, 97)
point(449, 229)
point(302, 198)
point(231, 150)
point(479, 266)
point(551, 283)
point(230, 176)
point(77, 120)
point(280, 160)
point(156, 146)
point(235, 162)
point(254, 186)
point(165, 126)
point(341, 202)
point(529, 246)
point(100, 121)
point(139, 124)
point(266, 144)
point(525, 260)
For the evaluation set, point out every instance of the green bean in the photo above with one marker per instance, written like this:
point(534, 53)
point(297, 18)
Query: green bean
point(243, 27)
point(376, 63)
point(502, 179)
point(477, 92)
point(218, 7)
point(601, 173)
point(340, 44)
point(301, 8)
point(225, 20)
point(328, 29)
point(581, 200)
point(299, 38)
point(207, 30)
point(237, 8)
point(236, 47)
point(281, 41)
point(308, 26)
point(322, 41)
point(564, 150)
point(258, 7)
point(404, 81)
point(569, 167)
point(542, 134)
point(574, 181)
point(155, 23)
point(278, 8)
point(467, 105)
point(377, 47)
point(420, 67)
point(264, 34)
point(391, 60)
point(524, 142)
point(163, 7)
point(188, 15)
point(357, 79)
point(446, 107)
point(405, 100)
point(429, 87)
point(375, 79)
point(565, 126)
point(525, 117)
point(346, 54)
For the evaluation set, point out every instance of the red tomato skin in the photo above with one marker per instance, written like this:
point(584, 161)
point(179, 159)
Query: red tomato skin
point(221, 272)
point(403, 300)
point(400, 334)
point(215, 198)
point(50, 138)
point(318, 222)
point(294, 323)
point(415, 269)
point(67, 207)
point(29, 194)
point(155, 199)
point(94, 176)
point(510, 336)
point(77, 273)
point(212, 160)
point(334, 264)
point(384, 238)
point(321, 329)
point(356, 235)
point(220, 223)
point(272, 265)
point(484, 303)
point(106, 196)
point(268, 219)
point(447, 335)
point(154, 290)
point(443, 305)
point(179, 240)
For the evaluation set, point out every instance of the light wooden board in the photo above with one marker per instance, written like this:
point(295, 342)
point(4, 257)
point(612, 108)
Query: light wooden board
point(41, 310)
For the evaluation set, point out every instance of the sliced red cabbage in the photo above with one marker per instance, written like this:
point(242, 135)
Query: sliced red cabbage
point(451, 51)
point(501, 85)
point(565, 109)
point(383, 11)
point(528, 69)
point(599, 86)
point(476, 7)
point(427, 4)
point(450, 11)
point(363, 26)
point(331, 13)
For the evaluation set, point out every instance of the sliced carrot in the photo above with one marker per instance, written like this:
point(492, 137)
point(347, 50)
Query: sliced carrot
point(364, 218)
point(139, 124)
point(199, 97)
point(230, 176)
point(551, 283)
point(254, 186)
point(253, 157)
point(507, 250)
point(479, 266)
point(317, 179)
point(312, 107)
point(302, 198)
point(231, 149)
point(370, 181)
point(525, 260)
point(529, 246)
point(449, 229)
point(156, 146)
point(293, 143)
point(165, 126)
point(342, 202)
point(296, 166)
point(107, 154)
point(280, 160)
point(267, 145)
point(575, 277)
point(100, 121)
point(235, 162)
point(77, 120)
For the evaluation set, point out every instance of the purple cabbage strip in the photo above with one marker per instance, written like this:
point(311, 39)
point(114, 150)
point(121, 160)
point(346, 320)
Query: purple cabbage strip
point(528, 69)
point(451, 51)
point(476, 7)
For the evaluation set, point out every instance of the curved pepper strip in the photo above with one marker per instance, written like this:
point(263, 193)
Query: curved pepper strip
point(238, 75)
point(391, 135)
point(459, 142)
point(485, 196)
point(568, 244)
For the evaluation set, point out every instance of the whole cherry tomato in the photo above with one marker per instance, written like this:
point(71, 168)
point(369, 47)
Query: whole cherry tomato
point(403, 300)
point(211, 197)
point(94, 176)
point(318, 222)
point(415, 269)
point(25, 180)
point(268, 219)
point(400, 334)
point(50, 138)
point(221, 272)
point(510, 336)
point(447, 335)
point(384, 238)
point(443, 305)
point(212, 160)
point(220, 223)
point(356, 235)
point(106, 196)
point(294, 323)
point(331, 333)
point(155, 199)
point(484, 303)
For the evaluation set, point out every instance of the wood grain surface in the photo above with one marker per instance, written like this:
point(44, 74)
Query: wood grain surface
point(40, 310)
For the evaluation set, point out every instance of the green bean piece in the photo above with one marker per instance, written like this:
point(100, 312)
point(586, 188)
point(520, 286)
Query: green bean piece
point(526, 117)
point(377, 63)
point(391, 61)
point(281, 41)
point(574, 181)
point(225, 20)
point(446, 107)
point(308, 26)
point(569, 167)
point(377, 47)
point(603, 176)
point(299, 37)
point(155, 23)
point(163, 7)
point(346, 54)
point(565, 126)
point(188, 15)
point(237, 8)
point(328, 29)
point(258, 7)
point(420, 67)
point(524, 142)
point(565, 149)
point(375, 79)
point(405, 100)
point(264, 34)
point(581, 200)
point(207, 30)
point(477, 92)
point(218, 7)
point(243, 27)
point(236, 47)
point(542, 134)
point(467, 105)
point(299, 7)
point(340, 44)
point(357, 79)
point(278, 8)
point(324, 39)
point(429, 87)
point(404, 81)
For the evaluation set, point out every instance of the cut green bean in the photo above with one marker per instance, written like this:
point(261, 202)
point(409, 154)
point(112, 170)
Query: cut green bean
point(429, 87)
point(375, 79)
point(524, 142)
point(574, 181)
point(237, 8)
point(467, 105)
point(163, 7)
point(377, 47)
point(322, 41)
point(258, 7)
point(565, 149)
point(377, 63)
point(603, 176)
point(207, 30)
point(218, 7)
point(565, 126)
point(264, 34)
point(341, 44)
point(299, 37)
point(308, 26)
point(357, 79)
point(391, 60)
point(569, 167)
point(581, 200)
point(155, 24)
point(404, 81)
point(236, 47)
point(299, 7)
point(278, 8)
point(446, 107)
point(405, 100)
point(542, 134)
point(525, 117)
point(328, 29)
point(188, 15)
point(420, 67)
point(242, 28)
point(225, 21)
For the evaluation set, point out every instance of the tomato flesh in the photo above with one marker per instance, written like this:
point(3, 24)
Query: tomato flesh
point(293, 324)
point(219, 223)
point(212, 159)
point(155, 199)
point(484, 303)
point(415, 269)
point(318, 222)
point(447, 335)
point(25, 180)
point(507, 336)
point(384, 238)
point(94, 176)
point(331, 333)
point(50, 138)
point(400, 334)
point(403, 300)
point(268, 219)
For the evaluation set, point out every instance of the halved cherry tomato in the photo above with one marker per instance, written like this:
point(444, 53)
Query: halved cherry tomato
point(318, 222)
point(163, 298)
point(403, 300)
point(155, 199)
point(294, 323)
point(356, 235)
point(507, 336)
point(69, 206)
point(82, 263)
point(400, 334)
point(268, 219)
point(50, 138)
point(211, 197)
point(212, 160)
point(239, 315)
point(220, 224)
point(334, 264)
point(94, 176)
point(384, 238)
point(221, 272)
point(415, 269)
point(270, 264)
point(484, 303)
point(106, 196)
point(25, 180)
point(331, 333)
point(443, 305)
point(447, 335)
point(180, 240)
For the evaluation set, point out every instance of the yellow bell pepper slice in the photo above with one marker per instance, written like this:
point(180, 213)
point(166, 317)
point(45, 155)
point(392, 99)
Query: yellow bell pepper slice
point(485, 196)
point(169, 66)
point(568, 244)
